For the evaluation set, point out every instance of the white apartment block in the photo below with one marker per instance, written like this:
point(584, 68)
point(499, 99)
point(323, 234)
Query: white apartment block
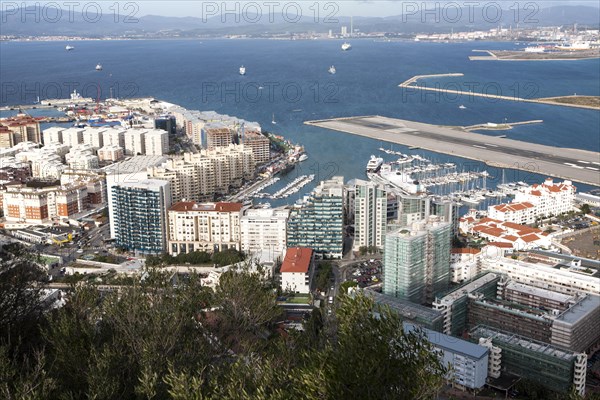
point(549, 198)
point(72, 136)
point(52, 135)
point(198, 177)
point(370, 214)
point(567, 279)
point(536, 201)
point(82, 157)
point(518, 213)
point(135, 142)
point(114, 136)
point(465, 264)
point(263, 231)
point(203, 227)
point(110, 153)
point(93, 137)
point(156, 142)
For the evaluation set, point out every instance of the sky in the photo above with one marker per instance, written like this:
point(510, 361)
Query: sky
point(365, 8)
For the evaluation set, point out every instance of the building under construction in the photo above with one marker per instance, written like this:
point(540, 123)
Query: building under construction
point(416, 262)
point(551, 366)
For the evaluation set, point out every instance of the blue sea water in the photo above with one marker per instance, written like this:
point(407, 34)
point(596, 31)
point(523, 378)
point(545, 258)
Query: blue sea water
point(297, 87)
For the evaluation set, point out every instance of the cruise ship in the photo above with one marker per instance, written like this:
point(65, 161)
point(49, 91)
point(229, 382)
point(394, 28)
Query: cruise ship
point(374, 164)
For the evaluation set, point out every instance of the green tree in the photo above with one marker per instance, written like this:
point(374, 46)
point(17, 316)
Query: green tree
point(21, 308)
point(368, 356)
point(246, 306)
point(347, 285)
point(324, 275)
point(585, 208)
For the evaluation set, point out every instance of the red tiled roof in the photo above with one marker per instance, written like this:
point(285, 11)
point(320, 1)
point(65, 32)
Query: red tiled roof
point(467, 250)
point(228, 207)
point(512, 238)
point(513, 206)
point(488, 219)
point(493, 232)
point(297, 259)
point(530, 238)
point(182, 206)
point(501, 245)
point(217, 207)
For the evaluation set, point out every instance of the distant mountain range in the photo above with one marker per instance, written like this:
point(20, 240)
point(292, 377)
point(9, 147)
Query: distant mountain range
point(151, 25)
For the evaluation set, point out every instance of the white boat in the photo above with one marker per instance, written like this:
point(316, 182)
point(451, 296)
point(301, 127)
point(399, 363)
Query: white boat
point(99, 67)
point(303, 157)
point(331, 70)
point(69, 48)
point(242, 70)
point(273, 120)
point(462, 107)
point(374, 164)
point(346, 46)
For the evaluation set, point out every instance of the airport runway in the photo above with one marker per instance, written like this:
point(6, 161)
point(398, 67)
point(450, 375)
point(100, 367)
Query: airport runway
point(573, 164)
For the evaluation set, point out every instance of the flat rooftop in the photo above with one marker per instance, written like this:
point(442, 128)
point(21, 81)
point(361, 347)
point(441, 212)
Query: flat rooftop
point(468, 288)
point(513, 339)
point(573, 164)
point(450, 343)
point(580, 310)
point(539, 292)
point(134, 164)
point(406, 309)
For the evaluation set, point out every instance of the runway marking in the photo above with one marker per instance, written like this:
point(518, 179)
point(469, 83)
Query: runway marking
point(481, 147)
point(592, 168)
point(493, 145)
point(583, 162)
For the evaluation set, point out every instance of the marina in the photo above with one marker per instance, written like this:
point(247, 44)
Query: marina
point(573, 164)
point(419, 176)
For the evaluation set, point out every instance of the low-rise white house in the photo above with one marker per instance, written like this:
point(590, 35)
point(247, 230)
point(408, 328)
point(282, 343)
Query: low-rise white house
point(297, 270)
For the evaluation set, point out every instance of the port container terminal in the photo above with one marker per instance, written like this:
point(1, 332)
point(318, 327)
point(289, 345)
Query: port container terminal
point(573, 164)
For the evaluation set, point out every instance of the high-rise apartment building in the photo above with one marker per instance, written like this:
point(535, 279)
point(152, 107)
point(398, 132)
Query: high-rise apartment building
point(317, 222)
point(140, 222)
point(370, 214)
point(416, 262)
point(263, 232)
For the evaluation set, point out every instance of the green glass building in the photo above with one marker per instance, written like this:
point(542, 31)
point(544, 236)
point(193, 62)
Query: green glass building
point(416, 261)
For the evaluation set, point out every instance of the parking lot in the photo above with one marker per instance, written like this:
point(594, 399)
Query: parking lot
point(366, 273)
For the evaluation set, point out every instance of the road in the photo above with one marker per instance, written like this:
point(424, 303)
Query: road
point(573, 164)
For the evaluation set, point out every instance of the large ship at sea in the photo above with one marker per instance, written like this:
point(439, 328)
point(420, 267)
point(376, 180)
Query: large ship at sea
point(374, 164)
